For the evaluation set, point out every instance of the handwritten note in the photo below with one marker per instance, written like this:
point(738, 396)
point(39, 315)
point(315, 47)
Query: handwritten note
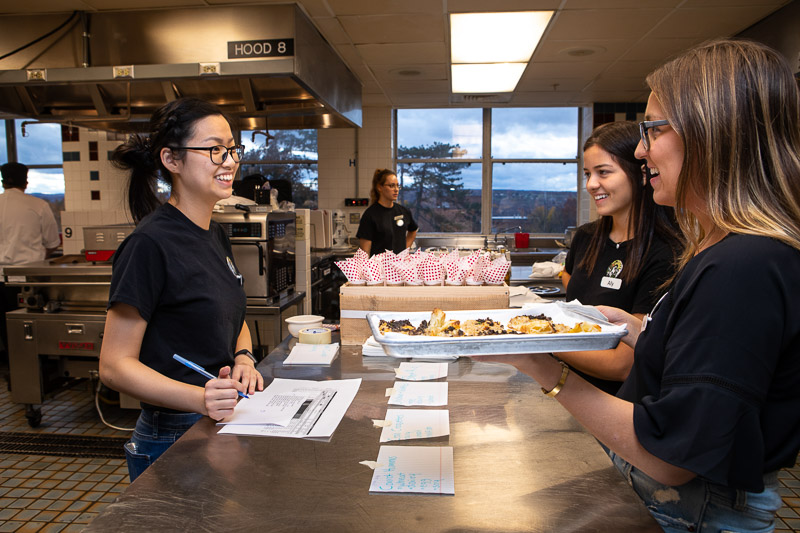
point(412, 393)
point(406, 424)
point(418, 469)
point(421, 371)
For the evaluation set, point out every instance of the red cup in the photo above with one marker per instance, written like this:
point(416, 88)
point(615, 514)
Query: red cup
point(521, 240)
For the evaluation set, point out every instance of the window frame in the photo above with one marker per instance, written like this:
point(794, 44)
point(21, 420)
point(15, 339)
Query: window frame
point(487, 163)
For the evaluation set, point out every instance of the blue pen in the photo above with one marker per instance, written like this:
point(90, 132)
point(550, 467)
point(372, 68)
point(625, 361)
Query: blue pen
point(200, 369)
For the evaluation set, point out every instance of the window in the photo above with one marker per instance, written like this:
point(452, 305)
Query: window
point(439, 167)
point(534, 170)
point(287, 157)
point(524, 160)
point(39, 147)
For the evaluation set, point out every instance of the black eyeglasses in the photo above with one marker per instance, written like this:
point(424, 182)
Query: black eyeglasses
point(218, 153)
point(646, 125)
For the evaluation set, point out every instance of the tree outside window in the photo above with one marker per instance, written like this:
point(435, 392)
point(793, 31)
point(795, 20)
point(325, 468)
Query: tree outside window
point(287, 156)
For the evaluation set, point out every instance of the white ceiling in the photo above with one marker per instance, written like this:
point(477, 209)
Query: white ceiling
point(592, 51)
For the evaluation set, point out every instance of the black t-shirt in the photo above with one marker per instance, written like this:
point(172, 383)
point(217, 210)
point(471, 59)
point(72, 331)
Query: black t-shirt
point(594, 288)
point(386, 227)
point(716, 375)
point(184, 283)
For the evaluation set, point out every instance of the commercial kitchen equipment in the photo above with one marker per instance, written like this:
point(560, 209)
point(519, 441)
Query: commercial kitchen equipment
point(263, 244)
point(265, 65)
point(100, 242)
point(58, 332)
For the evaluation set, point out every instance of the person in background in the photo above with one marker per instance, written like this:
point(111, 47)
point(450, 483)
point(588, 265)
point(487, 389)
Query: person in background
point(28, 231)
point(385, 225)
point(622, 258)
point(174, 287)
point(711, 409)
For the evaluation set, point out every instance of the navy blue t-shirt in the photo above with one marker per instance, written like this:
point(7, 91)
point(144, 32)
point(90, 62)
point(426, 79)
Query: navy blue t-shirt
point(184, 283)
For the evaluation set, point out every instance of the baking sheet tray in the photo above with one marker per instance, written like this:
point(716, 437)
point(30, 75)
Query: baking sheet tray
point(400, 345)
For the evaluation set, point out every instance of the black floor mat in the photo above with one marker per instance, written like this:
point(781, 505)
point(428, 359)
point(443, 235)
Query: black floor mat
point(62, 445)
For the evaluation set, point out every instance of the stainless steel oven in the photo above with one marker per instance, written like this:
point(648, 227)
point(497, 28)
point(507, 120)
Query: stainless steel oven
point(263, 244)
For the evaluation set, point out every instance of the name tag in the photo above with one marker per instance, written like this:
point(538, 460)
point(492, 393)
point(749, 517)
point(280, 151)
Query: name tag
point(611, 283)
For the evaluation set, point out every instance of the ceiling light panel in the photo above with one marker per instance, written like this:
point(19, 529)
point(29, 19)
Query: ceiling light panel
point(496, 37)
point(486, 78)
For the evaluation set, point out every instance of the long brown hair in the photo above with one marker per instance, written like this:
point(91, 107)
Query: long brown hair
point(378, 179)
point(736, 107)
point(646, 219)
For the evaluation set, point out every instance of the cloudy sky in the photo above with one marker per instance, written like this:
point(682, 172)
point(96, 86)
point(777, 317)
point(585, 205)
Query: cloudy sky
point(517, 133)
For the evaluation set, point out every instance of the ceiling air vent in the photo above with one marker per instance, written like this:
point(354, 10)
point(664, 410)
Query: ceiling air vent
point(501, 98)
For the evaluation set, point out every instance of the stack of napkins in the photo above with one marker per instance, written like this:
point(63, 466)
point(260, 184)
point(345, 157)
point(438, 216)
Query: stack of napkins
point(312, 354)
point(371, 347)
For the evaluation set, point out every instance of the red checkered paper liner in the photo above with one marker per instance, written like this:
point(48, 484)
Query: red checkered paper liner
point(495, 274)
point(390, 272)
point(476, 273)
point(407, 270)
point(351, 269)
point(373, 270)
point(455, 274)
point(432, 270)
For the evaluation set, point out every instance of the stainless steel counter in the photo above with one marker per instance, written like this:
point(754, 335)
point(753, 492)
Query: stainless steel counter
point(522, 463)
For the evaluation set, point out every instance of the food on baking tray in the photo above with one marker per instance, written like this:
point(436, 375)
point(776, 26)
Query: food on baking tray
point(439, 326)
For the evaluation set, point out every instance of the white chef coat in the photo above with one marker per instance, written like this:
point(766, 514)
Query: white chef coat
point(27, 228)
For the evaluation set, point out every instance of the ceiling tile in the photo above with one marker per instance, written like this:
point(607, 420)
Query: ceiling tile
point(404, 53)
point(559, 69)
point(410, 72)
point(332, 30)
point(548, 84)
point(654, 48)
point(630, 69)
point(394, 28)
point(499, 6)
point(418, 86)
point(605, 23)
point(706, 22)
point(569, 50)
point(381, 7)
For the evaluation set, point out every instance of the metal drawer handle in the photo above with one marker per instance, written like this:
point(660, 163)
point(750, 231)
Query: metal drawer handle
point(27, 329)
point(75, 329)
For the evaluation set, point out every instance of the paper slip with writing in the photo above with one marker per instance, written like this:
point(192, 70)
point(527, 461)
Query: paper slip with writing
point(323, 407)
point(312, 354)
point(418, 469)
point(421, 371)
point(412, 393)
point(408, 424)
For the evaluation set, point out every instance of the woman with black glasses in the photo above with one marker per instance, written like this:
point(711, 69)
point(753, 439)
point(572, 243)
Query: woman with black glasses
point(175, 288)
point(711, 409)
point(386, 225)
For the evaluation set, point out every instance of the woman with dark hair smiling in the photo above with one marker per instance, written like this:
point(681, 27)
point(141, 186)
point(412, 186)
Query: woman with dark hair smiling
point(622, 258)
point(174, 287)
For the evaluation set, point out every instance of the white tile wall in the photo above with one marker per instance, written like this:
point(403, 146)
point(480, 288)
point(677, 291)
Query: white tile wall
point(79, 209)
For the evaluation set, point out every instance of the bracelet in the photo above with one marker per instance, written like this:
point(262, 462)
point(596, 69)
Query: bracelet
point(248, 353)
point(555, 390)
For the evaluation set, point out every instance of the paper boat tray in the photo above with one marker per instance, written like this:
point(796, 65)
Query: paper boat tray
point(400, 345)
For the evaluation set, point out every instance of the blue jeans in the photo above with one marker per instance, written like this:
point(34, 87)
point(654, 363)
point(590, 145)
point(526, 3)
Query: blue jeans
point(155, 432)
point(702, 506)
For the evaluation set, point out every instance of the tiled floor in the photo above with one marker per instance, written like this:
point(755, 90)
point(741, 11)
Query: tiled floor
point(39, 493)
point(49, 494)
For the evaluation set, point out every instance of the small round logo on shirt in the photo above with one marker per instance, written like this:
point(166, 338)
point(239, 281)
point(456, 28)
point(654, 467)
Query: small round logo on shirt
point(398, 220)
point(614, 269)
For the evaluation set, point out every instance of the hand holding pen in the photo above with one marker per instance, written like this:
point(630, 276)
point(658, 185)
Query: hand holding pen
point(217, 399)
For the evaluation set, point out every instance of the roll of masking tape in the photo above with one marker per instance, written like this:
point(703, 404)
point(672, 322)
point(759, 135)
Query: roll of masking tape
point(315, 336)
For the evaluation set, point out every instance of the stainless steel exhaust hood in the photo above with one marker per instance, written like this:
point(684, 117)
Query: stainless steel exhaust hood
point(265, 65)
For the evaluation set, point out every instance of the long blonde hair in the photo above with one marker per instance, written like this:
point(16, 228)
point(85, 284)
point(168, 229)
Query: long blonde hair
point(736, 107)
